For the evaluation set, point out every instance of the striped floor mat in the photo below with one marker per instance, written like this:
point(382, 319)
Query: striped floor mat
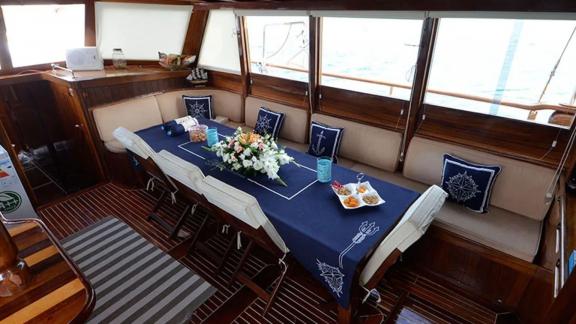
point(135, 282)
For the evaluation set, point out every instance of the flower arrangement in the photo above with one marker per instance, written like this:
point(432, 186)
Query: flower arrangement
point(251, 153)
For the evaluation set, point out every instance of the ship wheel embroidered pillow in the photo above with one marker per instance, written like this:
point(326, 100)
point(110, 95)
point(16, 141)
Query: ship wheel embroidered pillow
point(325, 140)
point(199, 107)
point(468, 183)
point(269, 122)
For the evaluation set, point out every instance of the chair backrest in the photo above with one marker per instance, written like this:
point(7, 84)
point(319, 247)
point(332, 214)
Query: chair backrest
point(409, 229)
point(180, 170)
point(240, 205)
point(133, 142)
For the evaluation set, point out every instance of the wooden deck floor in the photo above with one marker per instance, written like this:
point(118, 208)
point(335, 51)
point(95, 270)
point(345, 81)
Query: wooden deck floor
point(407, 296)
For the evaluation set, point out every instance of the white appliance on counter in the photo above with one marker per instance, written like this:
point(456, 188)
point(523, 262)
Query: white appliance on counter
point(14, 202)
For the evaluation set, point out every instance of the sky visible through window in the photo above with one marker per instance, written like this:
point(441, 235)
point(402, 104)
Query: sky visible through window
point(59, 27)
point(503, 60)
point(373, 49)
point(279, 41)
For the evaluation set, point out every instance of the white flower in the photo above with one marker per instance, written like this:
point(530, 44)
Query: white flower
point(247, 163)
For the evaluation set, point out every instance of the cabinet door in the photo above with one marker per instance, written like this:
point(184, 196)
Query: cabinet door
point(81, 158)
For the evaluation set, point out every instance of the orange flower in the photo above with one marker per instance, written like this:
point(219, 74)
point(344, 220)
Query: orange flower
point(254, 137)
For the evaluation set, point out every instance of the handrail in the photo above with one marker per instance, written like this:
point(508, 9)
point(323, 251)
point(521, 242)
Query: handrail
point(561, 108)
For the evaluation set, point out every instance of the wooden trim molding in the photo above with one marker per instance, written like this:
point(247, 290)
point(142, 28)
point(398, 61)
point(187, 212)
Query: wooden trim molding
point(195, 33)
point(423, 63)
point(5, 58)
point(90, 23)
point(244, 63)
point(425, 5)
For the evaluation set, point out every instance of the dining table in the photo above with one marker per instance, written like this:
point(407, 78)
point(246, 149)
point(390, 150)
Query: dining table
point(329, 241)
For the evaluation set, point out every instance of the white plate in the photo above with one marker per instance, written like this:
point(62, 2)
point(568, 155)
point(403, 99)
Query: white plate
point(352, 187)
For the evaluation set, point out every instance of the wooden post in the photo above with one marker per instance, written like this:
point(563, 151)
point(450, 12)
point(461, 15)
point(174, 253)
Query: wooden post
point(13, 271)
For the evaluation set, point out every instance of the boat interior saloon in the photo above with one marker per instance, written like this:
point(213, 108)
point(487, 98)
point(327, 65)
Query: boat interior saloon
point(243, 161)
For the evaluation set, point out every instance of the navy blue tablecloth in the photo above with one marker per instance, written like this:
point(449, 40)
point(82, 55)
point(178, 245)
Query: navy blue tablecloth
point(329, 241)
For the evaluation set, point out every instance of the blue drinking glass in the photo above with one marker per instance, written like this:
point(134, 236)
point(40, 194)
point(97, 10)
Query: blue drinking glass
point(324, 169)
point(211, 136)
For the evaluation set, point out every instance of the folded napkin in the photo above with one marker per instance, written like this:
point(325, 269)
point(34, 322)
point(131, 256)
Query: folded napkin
point(179, 129)
point(177, 121)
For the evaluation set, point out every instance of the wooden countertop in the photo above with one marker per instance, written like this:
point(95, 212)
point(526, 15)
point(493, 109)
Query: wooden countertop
point(108, 76)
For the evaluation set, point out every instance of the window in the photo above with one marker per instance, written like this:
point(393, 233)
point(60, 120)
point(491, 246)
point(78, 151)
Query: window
point(40, 34)
point(141, 30)
point(503, 67)
point(375, 56)
point(278, 46)
point(220, 44)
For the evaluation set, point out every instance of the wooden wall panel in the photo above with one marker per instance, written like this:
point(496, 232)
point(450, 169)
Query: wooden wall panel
point(226, 81)
point(513, 138)
point(103, 94)
point(365, 108)
point(288, 92)
point(490, 277)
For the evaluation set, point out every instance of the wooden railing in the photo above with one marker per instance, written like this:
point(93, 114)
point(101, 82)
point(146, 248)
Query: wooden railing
point(534, 108)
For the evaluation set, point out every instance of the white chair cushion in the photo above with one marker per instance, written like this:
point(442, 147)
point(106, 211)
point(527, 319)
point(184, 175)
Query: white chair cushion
point(240, 205)
point(370, 145)
point(180, 170)
point(224, 103)
point(409, 229)
point(295, 119)
point(133, 114)
point(133, 142)
point(520, 187)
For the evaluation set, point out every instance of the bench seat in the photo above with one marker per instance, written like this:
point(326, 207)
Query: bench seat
point(499, 229)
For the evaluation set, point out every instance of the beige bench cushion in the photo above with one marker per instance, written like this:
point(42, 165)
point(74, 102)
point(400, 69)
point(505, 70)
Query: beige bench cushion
point(499, 229)
point(134, 115)
point(370, 145)
point(520, 187)
point(224, 103)
point(115, 146)
point(295, 121)
point(293, 145)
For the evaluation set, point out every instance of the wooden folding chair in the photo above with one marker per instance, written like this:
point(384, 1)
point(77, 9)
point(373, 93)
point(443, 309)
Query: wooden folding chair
point(243, 213)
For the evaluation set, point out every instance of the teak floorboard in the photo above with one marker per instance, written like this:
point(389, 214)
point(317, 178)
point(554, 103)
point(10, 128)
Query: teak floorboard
point(407, 296)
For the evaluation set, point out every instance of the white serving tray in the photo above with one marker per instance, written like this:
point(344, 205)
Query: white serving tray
point(353, 188)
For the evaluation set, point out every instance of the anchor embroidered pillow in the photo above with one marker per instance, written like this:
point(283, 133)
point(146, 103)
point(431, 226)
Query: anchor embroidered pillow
point(468, 183)
point(269, 122)
point(199, 107)
point(325, 140)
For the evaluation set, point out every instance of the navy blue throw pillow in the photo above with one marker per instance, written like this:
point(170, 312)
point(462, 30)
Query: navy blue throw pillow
point(269, 122)
point(199, 107)
point(467, 183)
point(324, 140)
